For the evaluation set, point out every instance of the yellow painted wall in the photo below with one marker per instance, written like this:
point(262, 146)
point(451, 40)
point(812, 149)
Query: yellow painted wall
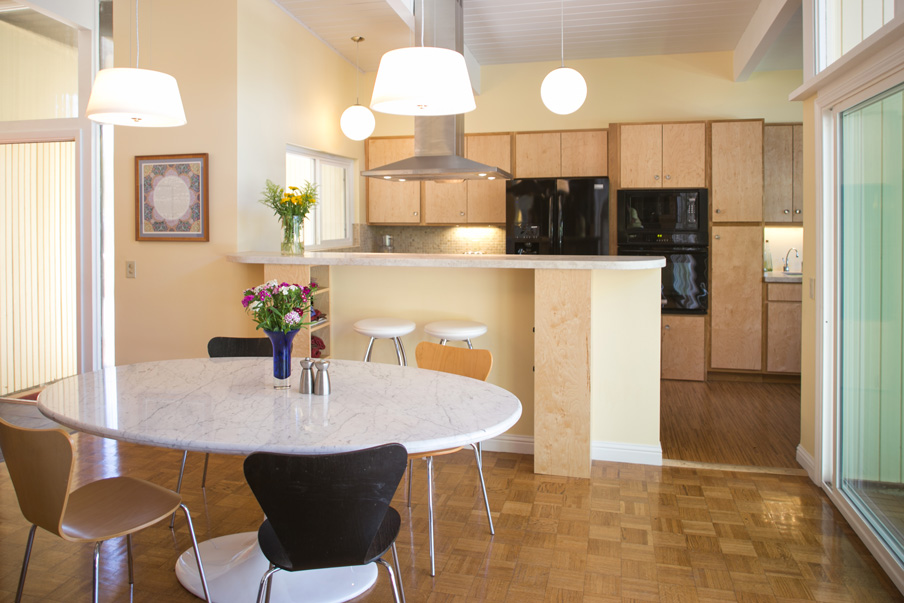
point(809, 350)
point(251, 80)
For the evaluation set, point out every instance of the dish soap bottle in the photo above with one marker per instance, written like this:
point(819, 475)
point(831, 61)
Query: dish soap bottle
point(767, 257)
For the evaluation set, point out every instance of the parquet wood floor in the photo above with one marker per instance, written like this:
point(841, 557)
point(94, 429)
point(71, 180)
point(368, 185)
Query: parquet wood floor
point(730, 423)
point(630, 533)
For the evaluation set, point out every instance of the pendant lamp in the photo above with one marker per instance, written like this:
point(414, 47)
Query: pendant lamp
point(357, 122)
point(563, 90)
point(128, 96)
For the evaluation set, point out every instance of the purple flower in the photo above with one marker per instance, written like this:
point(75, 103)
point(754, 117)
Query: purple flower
point(292, 318)
point(264, 294)
point(247, 300)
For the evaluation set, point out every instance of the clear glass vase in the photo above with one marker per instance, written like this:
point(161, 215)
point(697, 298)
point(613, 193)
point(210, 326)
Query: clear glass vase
point(293, 236)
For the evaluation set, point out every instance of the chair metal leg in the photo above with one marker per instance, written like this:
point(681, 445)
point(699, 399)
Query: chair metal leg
point(129, 557)
point(470, 347)
point(392, 579)
point(410, 467)
point(400, 351)
point(263, 591)
point(31, 540)
point(95, 587)
point(430, 512)
point(398, 570)
point(172, 522)
point(479, 456)
point(204, 477)
point(194, 546)
point(370, 347)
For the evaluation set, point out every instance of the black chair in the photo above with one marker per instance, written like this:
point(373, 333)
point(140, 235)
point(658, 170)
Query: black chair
point(329, 510)
point(227, 347)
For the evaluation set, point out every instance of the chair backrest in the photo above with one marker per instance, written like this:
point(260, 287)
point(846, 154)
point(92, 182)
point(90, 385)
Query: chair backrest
point(40, 465)
point(325, 509)
point(459, 361)
point(239, 347)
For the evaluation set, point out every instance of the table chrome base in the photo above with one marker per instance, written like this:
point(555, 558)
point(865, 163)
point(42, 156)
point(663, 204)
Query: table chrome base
point(234, 566)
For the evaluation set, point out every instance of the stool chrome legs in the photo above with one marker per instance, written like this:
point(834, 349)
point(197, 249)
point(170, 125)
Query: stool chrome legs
point(400, 350)
point(470, 347)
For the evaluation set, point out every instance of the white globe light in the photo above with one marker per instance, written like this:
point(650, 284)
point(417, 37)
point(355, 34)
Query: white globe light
point(563, 91)
point(357, 122)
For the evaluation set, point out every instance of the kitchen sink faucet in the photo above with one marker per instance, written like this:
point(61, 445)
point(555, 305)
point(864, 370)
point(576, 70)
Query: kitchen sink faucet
point(796, 254)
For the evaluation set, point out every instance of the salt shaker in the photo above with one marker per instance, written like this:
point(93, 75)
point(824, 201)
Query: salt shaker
point(307, 376)
point(322, 382)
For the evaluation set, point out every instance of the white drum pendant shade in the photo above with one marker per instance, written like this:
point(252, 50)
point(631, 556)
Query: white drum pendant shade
point(563, 91)
point(423, 80)
point(357, 122)
point(136, 97)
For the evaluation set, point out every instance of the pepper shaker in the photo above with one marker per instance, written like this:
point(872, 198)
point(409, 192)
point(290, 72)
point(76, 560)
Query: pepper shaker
point(307, 377)
point(322, 381)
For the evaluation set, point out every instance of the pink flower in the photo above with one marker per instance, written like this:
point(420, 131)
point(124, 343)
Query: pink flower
point(247, 300)
point(292, 318)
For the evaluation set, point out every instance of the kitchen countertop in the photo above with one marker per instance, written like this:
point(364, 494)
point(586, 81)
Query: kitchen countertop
point(777, 276)
point(442, 260)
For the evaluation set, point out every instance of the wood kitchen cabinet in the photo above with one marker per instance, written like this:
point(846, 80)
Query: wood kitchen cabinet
point(783, 173)
point(569, 154)
point(683, 348)
point(391, 202)
point(662, 155)
point(538, 155)
point(736, 311)
point(473, 201)
point(737, 171)
point(783, 327)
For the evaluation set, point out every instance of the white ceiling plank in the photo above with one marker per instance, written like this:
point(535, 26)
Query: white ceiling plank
point(764, 28)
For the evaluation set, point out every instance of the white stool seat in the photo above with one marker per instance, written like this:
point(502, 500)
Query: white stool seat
point(384, 328)
point(455, 330)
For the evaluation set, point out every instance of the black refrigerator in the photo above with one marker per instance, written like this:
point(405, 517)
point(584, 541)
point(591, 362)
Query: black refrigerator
point(557, 216)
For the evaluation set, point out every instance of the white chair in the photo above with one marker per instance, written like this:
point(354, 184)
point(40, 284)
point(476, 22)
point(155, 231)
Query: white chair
point(455, 330)
point(385, 328)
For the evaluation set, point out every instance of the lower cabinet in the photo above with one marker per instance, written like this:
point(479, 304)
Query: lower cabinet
point(683, 348)
point(783, 324)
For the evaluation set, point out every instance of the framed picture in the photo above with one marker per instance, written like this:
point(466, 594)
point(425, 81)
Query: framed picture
point(172, 198)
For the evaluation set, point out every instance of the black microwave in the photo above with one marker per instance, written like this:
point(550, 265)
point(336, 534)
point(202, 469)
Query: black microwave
point(676, 217)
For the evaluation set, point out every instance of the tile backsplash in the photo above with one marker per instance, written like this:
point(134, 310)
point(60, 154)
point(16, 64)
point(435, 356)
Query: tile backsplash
point(431, 239)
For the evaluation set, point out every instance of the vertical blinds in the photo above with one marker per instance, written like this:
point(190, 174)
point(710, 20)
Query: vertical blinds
point(38, 302)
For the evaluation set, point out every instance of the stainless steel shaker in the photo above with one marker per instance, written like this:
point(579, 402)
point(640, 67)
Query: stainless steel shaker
point(322, 380)
point(307, 377)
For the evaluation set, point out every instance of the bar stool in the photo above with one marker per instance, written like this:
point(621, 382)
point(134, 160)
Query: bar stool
point(455, 330)
point(385, 328)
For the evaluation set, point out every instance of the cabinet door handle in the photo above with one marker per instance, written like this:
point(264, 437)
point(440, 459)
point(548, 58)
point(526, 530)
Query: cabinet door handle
point(787, 211)
point(414, 213)
point(668, 177)
point(461, 213)
point(797, 211)
point(656, 177)
point(718, 211)
point(667, 327)
point(717, 237)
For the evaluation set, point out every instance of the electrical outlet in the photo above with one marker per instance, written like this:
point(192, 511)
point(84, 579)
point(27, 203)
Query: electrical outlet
point(130, 269)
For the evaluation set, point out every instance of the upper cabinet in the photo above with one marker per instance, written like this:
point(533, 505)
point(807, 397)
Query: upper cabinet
point(391, 202)
point(737, 171)
point(783, 173)
point(570, 154)
point(662, 155)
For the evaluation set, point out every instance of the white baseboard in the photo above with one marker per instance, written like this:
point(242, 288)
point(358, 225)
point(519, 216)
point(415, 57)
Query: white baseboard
point(619, 452)
point(510, 443)
point(806, 460)
point(615, 452)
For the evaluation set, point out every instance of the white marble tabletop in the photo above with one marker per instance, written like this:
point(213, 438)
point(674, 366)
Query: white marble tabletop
point(229, 405)
point(452, 260)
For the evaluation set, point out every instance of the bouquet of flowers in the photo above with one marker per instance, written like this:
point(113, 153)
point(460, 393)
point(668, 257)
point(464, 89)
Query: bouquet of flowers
point(276, 306)
point(292, 202)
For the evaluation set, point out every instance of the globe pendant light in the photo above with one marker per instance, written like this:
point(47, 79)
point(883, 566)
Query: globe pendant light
point(563, 90)
point(128, 96)
point(357, 122)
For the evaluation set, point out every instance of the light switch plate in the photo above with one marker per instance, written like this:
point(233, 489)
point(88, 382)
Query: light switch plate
point(130, 269)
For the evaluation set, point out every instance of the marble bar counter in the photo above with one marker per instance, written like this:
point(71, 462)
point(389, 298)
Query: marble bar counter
point(575, 338)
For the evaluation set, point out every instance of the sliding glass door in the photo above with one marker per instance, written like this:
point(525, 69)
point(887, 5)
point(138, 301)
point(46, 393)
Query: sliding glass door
point(870, 419)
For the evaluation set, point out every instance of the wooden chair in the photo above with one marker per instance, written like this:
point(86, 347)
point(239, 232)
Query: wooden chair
point(40, 463)
point(458, 361)
point(327, 510)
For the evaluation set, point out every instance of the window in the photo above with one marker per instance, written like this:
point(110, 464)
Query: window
point(842, 24)
point(330, 223)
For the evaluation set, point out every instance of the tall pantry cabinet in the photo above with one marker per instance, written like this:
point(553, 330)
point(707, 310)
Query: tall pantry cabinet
point(736, 248)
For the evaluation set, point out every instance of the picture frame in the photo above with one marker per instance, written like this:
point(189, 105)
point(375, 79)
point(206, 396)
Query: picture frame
point(172, 197)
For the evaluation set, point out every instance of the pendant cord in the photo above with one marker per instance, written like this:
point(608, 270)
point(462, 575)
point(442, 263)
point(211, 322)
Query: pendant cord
point(562, 21)
point(137, 38)
point(356, 72)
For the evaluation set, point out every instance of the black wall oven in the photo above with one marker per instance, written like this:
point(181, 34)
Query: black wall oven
point(670, 223)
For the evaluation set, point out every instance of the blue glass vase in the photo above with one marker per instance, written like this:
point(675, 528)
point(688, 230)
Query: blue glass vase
point(282, 357)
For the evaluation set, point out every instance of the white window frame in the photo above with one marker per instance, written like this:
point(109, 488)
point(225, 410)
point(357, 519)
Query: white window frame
point(320, 158)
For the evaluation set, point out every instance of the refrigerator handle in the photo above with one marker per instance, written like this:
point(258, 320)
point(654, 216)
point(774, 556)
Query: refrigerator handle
point(559, 225)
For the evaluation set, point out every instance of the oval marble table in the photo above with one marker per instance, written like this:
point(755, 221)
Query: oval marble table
point(228, 405)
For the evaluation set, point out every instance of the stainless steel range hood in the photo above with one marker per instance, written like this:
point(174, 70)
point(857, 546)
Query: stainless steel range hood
point(438, 141)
